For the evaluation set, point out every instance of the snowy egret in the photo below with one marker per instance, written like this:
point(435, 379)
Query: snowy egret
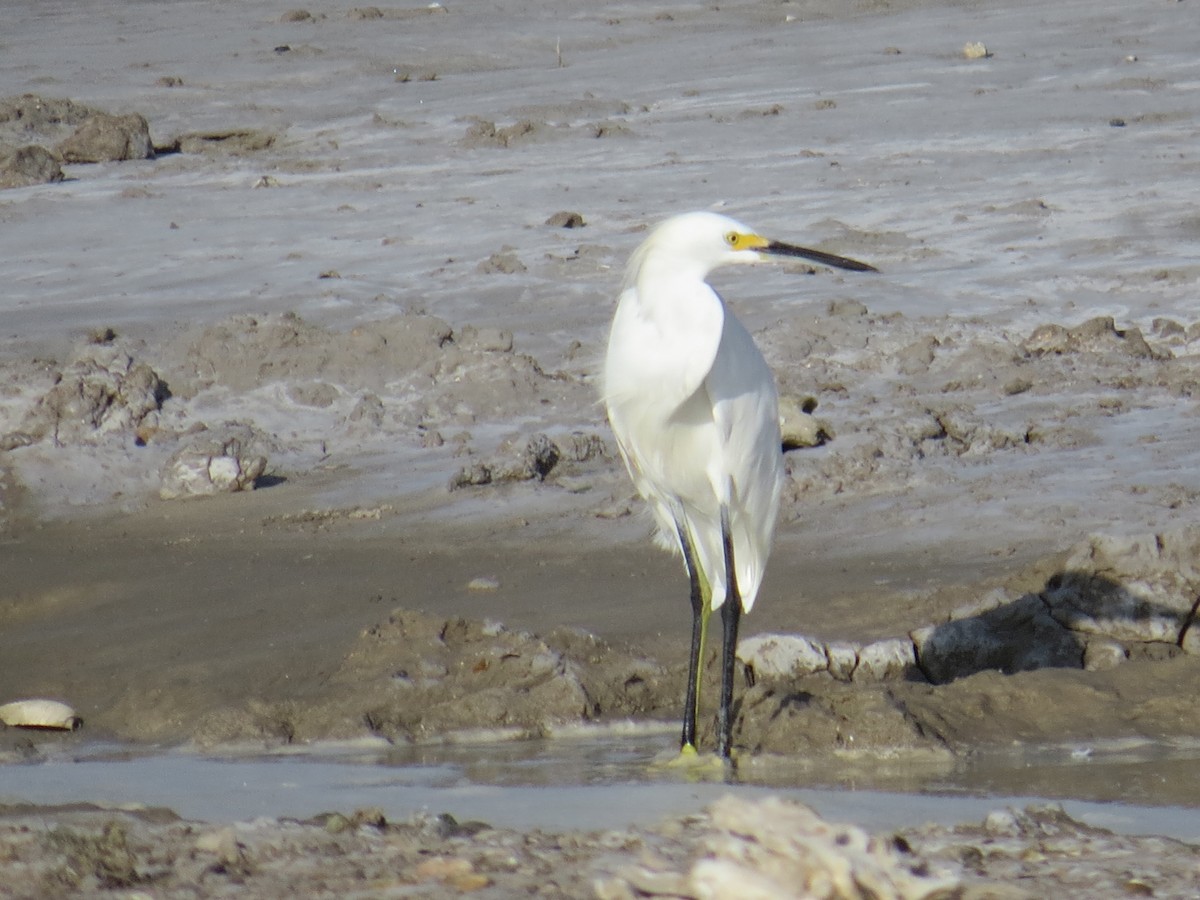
point(695, 412)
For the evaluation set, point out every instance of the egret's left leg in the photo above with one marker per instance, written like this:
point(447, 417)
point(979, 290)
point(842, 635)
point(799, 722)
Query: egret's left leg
point(700, 612)
point(731, 613)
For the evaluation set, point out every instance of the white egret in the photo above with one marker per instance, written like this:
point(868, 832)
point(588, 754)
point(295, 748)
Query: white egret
point(694, 409)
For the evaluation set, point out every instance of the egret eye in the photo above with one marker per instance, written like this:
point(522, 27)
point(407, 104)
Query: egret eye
point(733, 239)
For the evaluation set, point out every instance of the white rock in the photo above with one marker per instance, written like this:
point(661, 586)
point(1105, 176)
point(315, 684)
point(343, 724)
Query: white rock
point(782, 655)
point(843, 659)
point(1102, 654)
point(213, 462)
point(886, 659)
point(40, 714)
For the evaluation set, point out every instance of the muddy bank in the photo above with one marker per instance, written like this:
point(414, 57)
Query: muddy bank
point(772, 846)
point(224, 620)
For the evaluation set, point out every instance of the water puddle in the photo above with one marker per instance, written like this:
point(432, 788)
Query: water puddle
point(616, 780)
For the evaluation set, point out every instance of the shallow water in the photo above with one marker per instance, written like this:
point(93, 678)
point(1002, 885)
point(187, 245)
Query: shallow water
point(614, 781)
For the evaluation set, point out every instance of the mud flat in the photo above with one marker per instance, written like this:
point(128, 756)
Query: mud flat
point(300, 441)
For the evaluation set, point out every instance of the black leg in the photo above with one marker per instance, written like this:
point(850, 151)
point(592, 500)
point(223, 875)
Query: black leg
point(731, 614)
point(699, 620)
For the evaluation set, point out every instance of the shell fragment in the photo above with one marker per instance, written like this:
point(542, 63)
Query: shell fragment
point(40, 714)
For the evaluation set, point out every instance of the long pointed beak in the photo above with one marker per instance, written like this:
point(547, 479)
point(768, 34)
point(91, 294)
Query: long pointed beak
point(775, 248)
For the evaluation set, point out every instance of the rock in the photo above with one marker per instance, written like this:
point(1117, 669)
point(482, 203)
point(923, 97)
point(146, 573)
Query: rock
point(885, 660)
point(975, 50)
point(566, 220)
point(222, 843)
point(1015, 637)
point(505, 262)
point(456, 873)
point(103, 391)
point(50, 714)
point(798, 427)
point(843, 659)
point(28, 166)
point(214, 462)
point(107, 138)
point(1102, 654)
point(782, 655)
point(1129, 588)
point(773, 848)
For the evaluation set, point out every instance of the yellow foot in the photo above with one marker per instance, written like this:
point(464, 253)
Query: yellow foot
point(694, 765)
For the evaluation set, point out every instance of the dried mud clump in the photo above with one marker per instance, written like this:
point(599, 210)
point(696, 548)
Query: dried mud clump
point(103, 137)
point(536, 457)
point(39, 134)
point(484, 133)
point(418, 677)
point(445, 675)
point(218, 461)
point(28, 166)
point(1098, 335)
point(228, 142)
point(102, 859)
point(779, 848)
point(103, 391)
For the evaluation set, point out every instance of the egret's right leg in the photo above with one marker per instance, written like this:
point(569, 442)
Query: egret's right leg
point(731, 613)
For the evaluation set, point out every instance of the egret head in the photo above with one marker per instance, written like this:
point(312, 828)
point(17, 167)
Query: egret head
point(703, 241)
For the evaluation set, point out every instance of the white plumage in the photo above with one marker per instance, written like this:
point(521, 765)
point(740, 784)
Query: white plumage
point(695, 412)
point(693, 404)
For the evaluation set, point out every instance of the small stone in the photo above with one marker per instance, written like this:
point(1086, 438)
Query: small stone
point(566, 220)
point(1099, 655)
point(798, 428)
point(223, 843)
point(1002, 822)
point(483, 583)
point(506, 262)
point(975, 50)
point(453, 872)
